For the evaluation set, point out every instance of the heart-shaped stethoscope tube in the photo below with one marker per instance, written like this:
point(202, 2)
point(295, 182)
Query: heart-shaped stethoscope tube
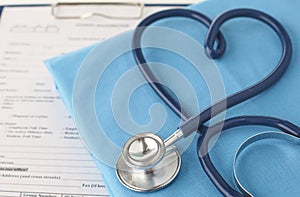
point(196, 122)
point(249, 92)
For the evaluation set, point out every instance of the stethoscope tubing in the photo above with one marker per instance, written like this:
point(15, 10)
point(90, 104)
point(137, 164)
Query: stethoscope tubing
point(196, 122)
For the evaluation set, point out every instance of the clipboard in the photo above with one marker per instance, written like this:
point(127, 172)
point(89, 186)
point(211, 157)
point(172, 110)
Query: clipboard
point(56, 6)
point(53, 7)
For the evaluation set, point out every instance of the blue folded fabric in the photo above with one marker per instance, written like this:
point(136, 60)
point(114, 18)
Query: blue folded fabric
point(85, 82)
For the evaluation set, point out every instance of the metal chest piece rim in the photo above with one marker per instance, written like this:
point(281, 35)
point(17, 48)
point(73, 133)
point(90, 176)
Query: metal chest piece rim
point(146, 164)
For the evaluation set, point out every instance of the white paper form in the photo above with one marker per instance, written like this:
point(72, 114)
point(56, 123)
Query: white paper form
point(41, 154)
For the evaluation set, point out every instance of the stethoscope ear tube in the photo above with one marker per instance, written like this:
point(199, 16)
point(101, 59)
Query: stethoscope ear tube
point(251, 141)
point(208, 133)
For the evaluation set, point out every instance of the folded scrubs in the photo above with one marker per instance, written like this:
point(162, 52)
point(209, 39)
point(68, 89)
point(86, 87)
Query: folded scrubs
point(109, 100)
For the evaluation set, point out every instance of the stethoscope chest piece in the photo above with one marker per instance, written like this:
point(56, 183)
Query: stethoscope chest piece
point(146, 164)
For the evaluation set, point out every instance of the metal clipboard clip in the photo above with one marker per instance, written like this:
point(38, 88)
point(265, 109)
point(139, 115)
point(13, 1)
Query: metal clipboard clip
point(55, 10)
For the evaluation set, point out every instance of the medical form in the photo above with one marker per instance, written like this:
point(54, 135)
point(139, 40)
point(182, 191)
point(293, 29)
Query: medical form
point(41, 153)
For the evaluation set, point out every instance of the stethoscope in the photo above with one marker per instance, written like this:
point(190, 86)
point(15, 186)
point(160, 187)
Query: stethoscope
point(148, 162)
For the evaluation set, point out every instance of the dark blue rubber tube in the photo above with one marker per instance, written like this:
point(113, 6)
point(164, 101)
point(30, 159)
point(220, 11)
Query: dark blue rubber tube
point(196, 122)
